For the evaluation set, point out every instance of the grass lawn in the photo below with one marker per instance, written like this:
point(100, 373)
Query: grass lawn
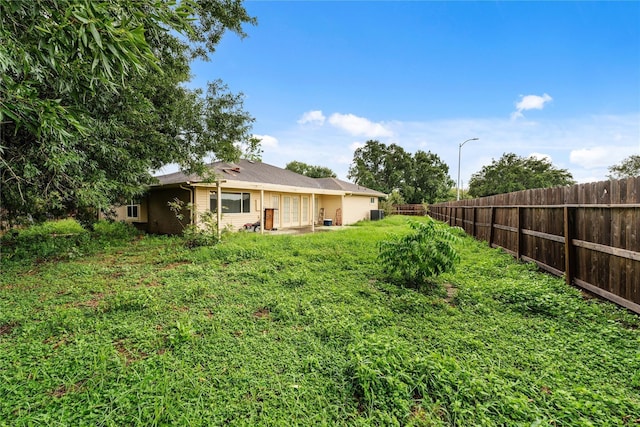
point(304, 330)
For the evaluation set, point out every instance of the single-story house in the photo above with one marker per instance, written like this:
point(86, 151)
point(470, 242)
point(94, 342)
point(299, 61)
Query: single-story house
point(249, 192)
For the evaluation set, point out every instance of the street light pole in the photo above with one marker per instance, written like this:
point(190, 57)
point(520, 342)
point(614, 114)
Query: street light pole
point(459, 157)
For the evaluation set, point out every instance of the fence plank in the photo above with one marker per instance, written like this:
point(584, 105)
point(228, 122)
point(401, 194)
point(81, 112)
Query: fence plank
point(568, 248)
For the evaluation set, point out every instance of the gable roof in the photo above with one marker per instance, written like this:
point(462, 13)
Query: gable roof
point(349, 187)
point(246, 171)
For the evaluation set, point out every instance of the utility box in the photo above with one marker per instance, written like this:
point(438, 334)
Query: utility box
point(377, 214)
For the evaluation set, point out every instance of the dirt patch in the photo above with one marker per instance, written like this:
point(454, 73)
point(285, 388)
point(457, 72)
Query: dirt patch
point(451, 293)
point(129, 355)
point(64, 389)
point(262, 313)
point(91, 303)
point(7, 328)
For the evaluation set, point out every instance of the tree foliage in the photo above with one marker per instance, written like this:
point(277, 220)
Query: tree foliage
point(627, 168)
point(310, 170)
point(514, 173)
point(394, 198)
point(422, 177)
point(92, 98)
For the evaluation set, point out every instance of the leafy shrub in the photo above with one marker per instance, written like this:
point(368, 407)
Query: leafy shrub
point(129, 300)
point(51, 239)
point(115, 229)
point(419, 256)
point(204, 234)
point(57, 227)
point(395, 198)
point(181, 332)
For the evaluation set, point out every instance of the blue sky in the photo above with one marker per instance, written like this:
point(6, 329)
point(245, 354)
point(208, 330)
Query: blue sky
point(556, 79)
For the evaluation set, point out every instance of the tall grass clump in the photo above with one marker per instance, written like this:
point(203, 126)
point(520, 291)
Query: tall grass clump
point(418, 257)
point(118, 230)
point(62, 239)
point(58, 238)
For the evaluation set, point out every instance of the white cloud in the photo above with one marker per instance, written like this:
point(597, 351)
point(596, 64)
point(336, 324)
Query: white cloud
point(600, 156)
point(359, 126)
point(314, 117)
point(530, 102)
point(267, 141)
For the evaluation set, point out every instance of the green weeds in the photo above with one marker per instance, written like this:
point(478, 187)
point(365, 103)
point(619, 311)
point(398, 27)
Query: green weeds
point(416, 258)
point(59, 240)
point(306, 330)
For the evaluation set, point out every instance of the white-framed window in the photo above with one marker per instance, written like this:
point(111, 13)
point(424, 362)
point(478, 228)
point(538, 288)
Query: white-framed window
point(295, 209)
point(286, 209)
point(133, 209)
point(305, 209)
point(372, 200)
point(231, 202)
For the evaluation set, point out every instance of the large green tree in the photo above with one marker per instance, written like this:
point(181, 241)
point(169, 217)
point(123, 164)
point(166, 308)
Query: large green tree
point(310, 170)
point(514, 173)
point(418, 178)
point(92, 98)
point(381, 167)
point(368, 166)
point(432, 182)
point(627, 168)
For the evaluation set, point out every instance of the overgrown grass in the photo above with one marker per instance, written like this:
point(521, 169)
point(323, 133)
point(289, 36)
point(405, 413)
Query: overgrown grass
point(61, 239)
point(303, 330)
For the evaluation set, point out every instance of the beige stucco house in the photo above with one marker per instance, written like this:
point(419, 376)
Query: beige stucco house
point(250, 192)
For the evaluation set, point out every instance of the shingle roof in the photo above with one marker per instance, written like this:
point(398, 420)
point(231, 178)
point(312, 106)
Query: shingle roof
point(349, 187)
point(258, 172)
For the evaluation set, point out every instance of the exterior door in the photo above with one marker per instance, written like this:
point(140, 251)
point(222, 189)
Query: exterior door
point(305, 211)
point(295, 210)
point(290, 211)
point(286, 211)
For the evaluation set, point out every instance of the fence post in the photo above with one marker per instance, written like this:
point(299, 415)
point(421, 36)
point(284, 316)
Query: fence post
point(569, 258)
point(491, 219)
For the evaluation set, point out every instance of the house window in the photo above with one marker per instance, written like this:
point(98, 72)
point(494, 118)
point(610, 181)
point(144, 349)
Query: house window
point(305, 210)
point(286, 209)
point(231, 202)
point(133, 209)
point(372, 200)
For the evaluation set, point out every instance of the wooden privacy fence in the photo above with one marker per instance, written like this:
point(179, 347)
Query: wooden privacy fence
point(409, 209)
point(588, 232)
